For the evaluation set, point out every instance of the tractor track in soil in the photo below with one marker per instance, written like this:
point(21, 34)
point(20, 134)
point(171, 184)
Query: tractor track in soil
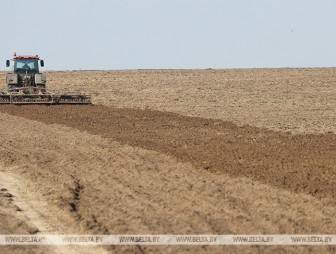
point(31, 211)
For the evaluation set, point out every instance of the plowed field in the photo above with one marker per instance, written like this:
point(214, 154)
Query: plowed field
point(174, 152)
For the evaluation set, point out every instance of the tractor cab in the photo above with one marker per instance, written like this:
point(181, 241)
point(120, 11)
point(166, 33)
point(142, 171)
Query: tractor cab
point(26, 64)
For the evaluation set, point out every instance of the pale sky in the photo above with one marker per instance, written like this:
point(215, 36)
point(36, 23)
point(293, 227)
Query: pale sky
point(170, 34)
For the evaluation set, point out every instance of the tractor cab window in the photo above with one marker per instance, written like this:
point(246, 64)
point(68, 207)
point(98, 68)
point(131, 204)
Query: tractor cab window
point(26, 66)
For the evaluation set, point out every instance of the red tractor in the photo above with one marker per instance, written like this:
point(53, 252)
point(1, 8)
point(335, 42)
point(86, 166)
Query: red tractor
point(26, 85)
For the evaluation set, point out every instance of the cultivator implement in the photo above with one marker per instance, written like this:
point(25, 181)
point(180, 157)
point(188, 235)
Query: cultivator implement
point(34, 95)
point(43, 99)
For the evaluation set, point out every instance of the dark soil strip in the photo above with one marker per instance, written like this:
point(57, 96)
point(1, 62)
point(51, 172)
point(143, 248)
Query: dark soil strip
point(300, 163)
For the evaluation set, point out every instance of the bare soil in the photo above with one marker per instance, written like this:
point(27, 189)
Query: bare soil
point(131, 166)
point(299, 163)
point(295, 100)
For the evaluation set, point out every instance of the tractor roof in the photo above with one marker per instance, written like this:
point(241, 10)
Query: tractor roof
point(25, 57)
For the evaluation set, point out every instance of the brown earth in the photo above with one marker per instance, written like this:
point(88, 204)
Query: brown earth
point(103, 169)
point(296, 100)
point(301, 163)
